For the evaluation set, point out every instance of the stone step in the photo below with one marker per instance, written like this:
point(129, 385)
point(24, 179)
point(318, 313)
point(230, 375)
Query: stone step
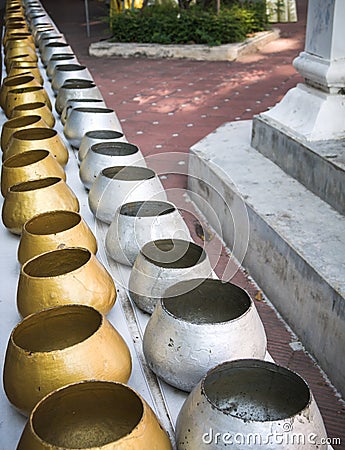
point(319, 165)
point(295, 246)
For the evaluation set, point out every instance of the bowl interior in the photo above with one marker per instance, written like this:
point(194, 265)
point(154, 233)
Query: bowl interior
point(32, 185)
point(114, 149)
point(147, 208)
point(20, 122)
point(52, 222)
point(103, 134)
point(173, 253)
point(57, 262)
point(128, 173)
point(29, 106)
point(206, 301)
point(87, 415)
point(56, 328)
point(25, 158)
point(254, 390)
point(35, 134)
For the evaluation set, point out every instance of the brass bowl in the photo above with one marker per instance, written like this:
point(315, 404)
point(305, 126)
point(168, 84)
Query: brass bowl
point(25, 67)
point(27, 166)
point(37, 138)
point(16, 33)
point(93, 415)
point(19, 123)
point(62, 277)
point(39, 108)
point(16, 42)
point(17, 51)
point(13, 83)
point(25, 200)
point(32, 57)
point(23, 95)
point(54, 230)
point(44, 344)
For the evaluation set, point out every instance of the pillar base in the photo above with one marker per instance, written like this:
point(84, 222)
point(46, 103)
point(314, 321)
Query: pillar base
point(309, 114)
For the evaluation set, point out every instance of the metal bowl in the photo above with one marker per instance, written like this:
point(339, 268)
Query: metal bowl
point(79, 103)
point(36, 138)
point(64, 72)
point(117, 185)
point(84, 119)
point(163, 263)
point(19, 123)
point(43, 344)
point(198, 324)
point(29, 198)
point(59, 59)
point(54, 230)
point(64, 276)
point(52, 48)
point(248, 404)
point(107, 154)
point(137, 223)
point(93, 415)
point(30, 165)
point(76, 89)
point(96, 136)
point(35, 108)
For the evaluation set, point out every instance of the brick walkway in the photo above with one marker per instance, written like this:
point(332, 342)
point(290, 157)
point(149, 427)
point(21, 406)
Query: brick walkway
point(168, 105)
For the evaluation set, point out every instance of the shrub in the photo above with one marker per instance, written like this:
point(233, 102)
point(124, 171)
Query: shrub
point(168, 24)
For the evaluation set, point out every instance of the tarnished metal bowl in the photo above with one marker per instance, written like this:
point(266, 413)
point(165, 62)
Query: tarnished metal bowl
point(66, 276)
point(43, 344)
point(25, 200)
point(248, 404)
point(117, 185)
point(198, 324)
point(84, 119)
point(54, 230)
point(30, 165)
point(163, 263)
point(14, 82)
point(96, 136)
point(108, 154)
point(137, 223)
point(93, 415)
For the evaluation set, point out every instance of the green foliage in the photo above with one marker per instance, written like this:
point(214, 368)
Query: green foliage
point(166, 23)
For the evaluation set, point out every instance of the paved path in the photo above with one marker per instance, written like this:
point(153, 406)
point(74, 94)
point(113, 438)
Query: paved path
point(166, 106)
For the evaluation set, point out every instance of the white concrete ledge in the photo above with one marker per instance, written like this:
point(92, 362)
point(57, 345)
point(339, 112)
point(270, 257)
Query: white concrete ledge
point(228, 52)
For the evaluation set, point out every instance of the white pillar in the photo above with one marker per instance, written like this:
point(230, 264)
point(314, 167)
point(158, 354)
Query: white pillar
point(315, 110)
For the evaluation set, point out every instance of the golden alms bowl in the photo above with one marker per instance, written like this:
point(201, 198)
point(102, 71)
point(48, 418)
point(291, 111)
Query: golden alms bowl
point(44, 344)
point(35, 108)
point(25, 67)
point(93, 415)
point(65, 276)
point(26, 50)
point(23, 95)
point(25, 200)
point(27, 166)
point(14, 82)
point(36, 138)
point(17, 42)
point(16, 33)
point(32, 57)
point(52, 231)
point(19, 123)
